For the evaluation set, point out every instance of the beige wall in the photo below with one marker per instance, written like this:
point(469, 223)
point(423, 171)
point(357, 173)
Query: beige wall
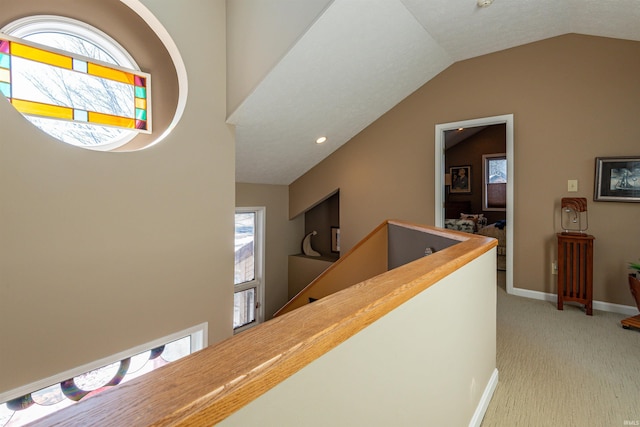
point(573, 98)
point(100, 252)
point(283, 237)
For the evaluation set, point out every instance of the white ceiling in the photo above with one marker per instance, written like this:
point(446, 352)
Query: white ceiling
point(362, 57)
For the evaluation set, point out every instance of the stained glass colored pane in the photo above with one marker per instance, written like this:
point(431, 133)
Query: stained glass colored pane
point(110, 73)
point(40, 55)
point(140, 103)
point(5, 76)
point(40, 109)
point(80, 115)
point(5, 88)
point(141, 124)
point(5, 61)
point(4, 46)
point(79, 65)
point(106, 119)
point(141, 114)
point(140, 81)
point(141, 92)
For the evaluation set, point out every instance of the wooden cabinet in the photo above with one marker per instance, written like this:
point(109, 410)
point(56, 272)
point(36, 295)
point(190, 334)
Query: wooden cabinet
point(575, 269)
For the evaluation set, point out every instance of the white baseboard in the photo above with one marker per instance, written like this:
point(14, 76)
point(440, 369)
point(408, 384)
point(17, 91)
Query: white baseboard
point(478, 415)
point(627, 310)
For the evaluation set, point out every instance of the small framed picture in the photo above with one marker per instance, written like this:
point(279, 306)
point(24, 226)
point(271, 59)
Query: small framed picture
point(617, 179)
point(335, 239)
point(460, 179)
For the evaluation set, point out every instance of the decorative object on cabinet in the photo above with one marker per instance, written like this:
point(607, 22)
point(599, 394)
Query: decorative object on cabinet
point(574, 215)
point(575, 269)
point(306, 245)
point(617, 179)
point(634, 321)
point(460, 179)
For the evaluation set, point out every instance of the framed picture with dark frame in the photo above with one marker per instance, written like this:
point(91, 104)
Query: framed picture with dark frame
point(460, 179)
point(617, 179)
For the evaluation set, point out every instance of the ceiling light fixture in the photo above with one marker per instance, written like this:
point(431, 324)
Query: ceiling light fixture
point(321, 140)
point(484, 3)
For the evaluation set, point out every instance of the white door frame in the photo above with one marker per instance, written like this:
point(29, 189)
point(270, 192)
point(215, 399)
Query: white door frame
point(506, 119)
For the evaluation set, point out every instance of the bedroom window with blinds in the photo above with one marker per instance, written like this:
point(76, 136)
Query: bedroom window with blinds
point(494, 189)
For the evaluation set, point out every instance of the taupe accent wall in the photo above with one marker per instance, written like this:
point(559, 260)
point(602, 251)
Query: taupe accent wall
point(102, 252)
point(573, 98)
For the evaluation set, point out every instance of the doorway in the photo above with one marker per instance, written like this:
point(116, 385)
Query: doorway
point(440, 188)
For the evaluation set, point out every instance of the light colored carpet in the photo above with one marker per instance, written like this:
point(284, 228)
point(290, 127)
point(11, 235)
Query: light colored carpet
point(563, 368)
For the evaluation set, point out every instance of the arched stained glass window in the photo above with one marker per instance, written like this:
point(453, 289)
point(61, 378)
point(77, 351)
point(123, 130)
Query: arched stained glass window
point(74, 82)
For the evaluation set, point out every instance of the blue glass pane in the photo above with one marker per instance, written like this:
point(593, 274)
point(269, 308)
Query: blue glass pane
point(79, 65)
point(141, 92)
point(5, 60)
point(80, 115)
point(5, 88)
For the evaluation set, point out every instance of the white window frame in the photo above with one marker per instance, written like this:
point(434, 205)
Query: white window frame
point(258, 259)
point(485, 179)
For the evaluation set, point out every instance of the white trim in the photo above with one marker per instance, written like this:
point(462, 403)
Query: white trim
point(506, 119)
point(628, 310)
point(199, 338)
point(481, 409)
point(178, 63)
point(29, 25)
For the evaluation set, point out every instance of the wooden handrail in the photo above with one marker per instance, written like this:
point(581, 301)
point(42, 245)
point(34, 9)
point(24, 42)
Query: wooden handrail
point(208, 386)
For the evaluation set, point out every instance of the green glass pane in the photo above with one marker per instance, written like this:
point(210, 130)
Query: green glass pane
point(141, 92)
point(141, 114)
point(5, 88)
point(5, 60)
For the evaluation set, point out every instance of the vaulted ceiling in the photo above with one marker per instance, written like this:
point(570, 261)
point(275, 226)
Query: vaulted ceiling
point(359, 58)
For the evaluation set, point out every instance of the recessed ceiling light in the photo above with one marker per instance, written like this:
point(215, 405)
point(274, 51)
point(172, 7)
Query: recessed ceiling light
point(321, 140)
point(484, 3)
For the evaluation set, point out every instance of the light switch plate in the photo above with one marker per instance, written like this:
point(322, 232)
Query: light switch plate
point(572, 185)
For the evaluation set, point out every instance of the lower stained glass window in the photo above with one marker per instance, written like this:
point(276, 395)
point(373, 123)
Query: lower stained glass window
point(35, 405)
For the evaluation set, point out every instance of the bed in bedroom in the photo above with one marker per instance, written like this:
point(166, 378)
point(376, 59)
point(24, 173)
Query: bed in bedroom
point(457, 217)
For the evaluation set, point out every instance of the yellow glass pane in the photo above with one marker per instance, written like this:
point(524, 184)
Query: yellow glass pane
point(140, 103)
point(107, 119)
point(5, 76)
point(110, 73)
point(39, 109)
point(40, 55)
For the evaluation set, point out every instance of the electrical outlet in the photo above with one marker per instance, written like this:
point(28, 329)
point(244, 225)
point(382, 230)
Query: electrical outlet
point(554, 267)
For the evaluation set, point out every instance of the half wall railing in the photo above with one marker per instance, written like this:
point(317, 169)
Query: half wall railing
point(265, 373)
